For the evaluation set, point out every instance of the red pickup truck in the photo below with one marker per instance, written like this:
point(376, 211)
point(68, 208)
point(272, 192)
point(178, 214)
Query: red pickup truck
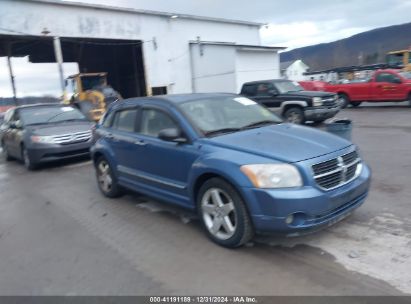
point(384, 85)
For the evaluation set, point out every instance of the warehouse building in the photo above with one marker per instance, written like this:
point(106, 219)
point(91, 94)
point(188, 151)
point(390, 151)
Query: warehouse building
point(144, 52)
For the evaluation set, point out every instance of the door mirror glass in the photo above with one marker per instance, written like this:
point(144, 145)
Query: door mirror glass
point(171, 134)
point(16, 124)
point(273, 92)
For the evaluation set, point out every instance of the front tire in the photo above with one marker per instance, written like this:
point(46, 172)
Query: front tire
point(223, 214)
point(6, 152)
point(294, 115)
point(355, 104)
point(344, 100)
point(107, 182)
point(27, 161)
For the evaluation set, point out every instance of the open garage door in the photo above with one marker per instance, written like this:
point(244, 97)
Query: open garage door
point(121, 59)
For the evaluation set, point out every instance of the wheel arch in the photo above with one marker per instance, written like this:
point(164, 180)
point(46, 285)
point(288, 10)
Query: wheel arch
point(204, 176)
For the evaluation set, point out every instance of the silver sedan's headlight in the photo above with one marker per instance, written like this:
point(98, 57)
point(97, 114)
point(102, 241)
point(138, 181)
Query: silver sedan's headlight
point(42, 139)
point(273, 175)
point(317, 101)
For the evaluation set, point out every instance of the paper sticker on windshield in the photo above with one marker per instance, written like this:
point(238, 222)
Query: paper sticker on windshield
point(245, 101)
point(67, 109)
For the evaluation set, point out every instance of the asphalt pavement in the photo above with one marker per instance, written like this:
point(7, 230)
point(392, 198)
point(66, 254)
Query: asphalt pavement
point(60, 236)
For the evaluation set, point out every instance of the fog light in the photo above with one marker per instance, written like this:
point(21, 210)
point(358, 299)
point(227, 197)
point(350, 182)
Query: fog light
point(289, 219)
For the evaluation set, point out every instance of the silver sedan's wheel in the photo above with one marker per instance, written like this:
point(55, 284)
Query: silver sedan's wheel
point(219, 213)
point(104, 176)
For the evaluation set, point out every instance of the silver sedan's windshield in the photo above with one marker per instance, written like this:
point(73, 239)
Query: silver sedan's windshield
point(49, 114)
point(227, 114)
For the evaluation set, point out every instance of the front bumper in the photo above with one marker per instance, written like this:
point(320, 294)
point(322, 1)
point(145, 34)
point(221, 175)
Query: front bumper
point(320, 113)
point(40, 153)
point(312, 208)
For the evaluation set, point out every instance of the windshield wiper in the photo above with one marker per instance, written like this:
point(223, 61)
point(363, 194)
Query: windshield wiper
point(73, 119)
point(259, 124)
point(222, 131)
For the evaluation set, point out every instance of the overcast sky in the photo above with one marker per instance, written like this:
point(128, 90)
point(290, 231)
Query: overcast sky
point(292, 23)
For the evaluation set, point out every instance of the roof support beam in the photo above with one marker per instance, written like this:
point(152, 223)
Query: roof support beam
point(13, 84)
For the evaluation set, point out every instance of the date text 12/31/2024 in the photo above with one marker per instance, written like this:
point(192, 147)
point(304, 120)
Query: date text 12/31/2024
point(203, 299)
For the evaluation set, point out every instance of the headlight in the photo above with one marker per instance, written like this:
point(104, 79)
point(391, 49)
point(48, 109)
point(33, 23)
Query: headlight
point(317, 101)
point(273, 175)
point(42, 139)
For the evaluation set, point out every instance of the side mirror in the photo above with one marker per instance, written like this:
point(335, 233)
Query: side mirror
point(16, 124)
point(273, 92)
point(172, 134)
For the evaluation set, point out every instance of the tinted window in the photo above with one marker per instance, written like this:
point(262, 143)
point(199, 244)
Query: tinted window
point(248, 89)
point(125, 120)
point(387, 77)
point(153, 121)
point(264, 88)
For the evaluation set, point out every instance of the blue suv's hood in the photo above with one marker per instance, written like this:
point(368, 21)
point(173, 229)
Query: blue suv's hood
point(284, 142)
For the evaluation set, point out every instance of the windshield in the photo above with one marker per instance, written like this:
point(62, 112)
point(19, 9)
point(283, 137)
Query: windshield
point(406, 74)
point(52, 114)
point(91, 82)
point(288, 86)
point(228, 114)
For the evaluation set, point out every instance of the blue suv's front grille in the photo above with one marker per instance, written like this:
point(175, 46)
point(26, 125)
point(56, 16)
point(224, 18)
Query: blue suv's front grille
point(335, 172)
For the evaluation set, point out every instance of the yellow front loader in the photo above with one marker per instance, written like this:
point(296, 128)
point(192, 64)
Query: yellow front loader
point(400, 58)
point(90, 93)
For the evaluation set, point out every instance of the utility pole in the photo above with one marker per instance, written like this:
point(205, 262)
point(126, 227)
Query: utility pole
point(59, 59)
point(13, 84)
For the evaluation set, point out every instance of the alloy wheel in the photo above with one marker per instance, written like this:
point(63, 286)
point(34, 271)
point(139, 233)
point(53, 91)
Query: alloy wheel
point(104, 176)
point(219, 213)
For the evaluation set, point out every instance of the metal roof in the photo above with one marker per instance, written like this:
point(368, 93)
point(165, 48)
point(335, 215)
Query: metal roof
point(141, 11)
point(245, 46)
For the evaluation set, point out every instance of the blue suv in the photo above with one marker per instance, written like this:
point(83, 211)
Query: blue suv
point(231, 160)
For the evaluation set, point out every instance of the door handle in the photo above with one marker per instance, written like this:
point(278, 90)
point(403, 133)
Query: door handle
point(140, 143)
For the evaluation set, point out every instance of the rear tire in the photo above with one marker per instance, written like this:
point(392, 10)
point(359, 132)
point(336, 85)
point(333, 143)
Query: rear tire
point(294, 115)
point(223, 214)
point(107, 182)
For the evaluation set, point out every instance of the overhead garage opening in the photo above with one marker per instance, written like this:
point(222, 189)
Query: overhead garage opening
point(121, 59)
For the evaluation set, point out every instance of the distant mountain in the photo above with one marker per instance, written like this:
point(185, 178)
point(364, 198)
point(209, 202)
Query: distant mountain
point(9, 101)
point(364, 48)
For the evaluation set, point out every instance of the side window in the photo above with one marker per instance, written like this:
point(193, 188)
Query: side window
point(153, 121)
point(264, 88)
point(125, 120)
point(387, 77)
point(108, 119)
point(248, 90)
